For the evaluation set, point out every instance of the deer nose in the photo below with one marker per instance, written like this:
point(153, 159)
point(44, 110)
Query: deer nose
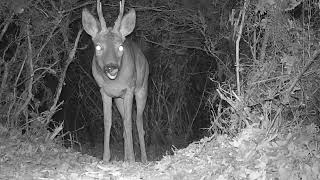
point(111, 70)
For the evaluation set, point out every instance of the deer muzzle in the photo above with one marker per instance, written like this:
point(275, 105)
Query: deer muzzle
point(111, 70)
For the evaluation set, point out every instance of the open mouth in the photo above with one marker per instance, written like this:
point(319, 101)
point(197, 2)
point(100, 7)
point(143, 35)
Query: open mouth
point(112, 76)
point(112, 73)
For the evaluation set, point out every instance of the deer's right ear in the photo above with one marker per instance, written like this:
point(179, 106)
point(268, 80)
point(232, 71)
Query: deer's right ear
point(128, 23)
point(90, 24)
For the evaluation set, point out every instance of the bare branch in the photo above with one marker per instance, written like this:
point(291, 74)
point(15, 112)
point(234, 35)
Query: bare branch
point(239, 33)
point(30, 73)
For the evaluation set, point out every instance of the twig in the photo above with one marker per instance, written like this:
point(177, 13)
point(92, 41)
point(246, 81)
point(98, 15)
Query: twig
point(314, 57)
point(6, 26)
point(49, 37)
point(15, 92)
point(199, 105)
point(4, 79)
point(242, 14)
point(270, 79)
point(30, 73)
point(264, 45)
point(7, 69)
point(78, 7)
point(166, 45)
point(56, 131)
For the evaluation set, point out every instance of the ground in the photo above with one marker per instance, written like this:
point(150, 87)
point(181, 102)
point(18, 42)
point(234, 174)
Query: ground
point(253, 154)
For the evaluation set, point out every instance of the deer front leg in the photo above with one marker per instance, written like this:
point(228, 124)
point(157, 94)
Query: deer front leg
point(141, 98)
point(127, 122)
point(107, 118)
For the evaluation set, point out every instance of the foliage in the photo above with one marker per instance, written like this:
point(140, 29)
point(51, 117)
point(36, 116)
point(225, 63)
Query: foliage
point(35, 44)
point(278, 68)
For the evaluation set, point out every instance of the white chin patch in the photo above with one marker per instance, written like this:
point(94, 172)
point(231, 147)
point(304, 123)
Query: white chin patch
point(112, 77)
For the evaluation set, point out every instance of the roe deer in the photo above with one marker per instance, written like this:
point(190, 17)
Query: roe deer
point(121, 71)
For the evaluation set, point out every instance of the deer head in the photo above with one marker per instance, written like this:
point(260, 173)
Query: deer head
point(109, 41)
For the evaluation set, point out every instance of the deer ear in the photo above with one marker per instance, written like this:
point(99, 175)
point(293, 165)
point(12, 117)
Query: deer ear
point(128, 23)
point(90, 24)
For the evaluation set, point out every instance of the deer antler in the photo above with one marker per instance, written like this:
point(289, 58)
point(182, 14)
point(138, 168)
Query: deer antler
point(118, 21)
point(101, 18)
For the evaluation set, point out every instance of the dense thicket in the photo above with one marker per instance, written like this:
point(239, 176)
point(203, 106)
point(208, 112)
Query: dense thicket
point(260, 55)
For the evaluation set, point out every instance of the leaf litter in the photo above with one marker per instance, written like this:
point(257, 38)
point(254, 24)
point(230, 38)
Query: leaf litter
point(253, 154)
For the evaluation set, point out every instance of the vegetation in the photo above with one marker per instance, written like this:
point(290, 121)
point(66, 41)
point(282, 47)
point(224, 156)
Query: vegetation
point(219, 65)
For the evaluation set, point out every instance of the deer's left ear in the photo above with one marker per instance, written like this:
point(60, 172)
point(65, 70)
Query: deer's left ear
point(128, 23)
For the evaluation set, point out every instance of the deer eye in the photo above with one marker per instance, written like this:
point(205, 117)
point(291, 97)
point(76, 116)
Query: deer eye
point(120, 48)
point(98, 47)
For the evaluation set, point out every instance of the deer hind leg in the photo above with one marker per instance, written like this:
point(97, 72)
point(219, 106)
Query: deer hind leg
point(107, 116)
point(141, 98)
point(125, 108)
